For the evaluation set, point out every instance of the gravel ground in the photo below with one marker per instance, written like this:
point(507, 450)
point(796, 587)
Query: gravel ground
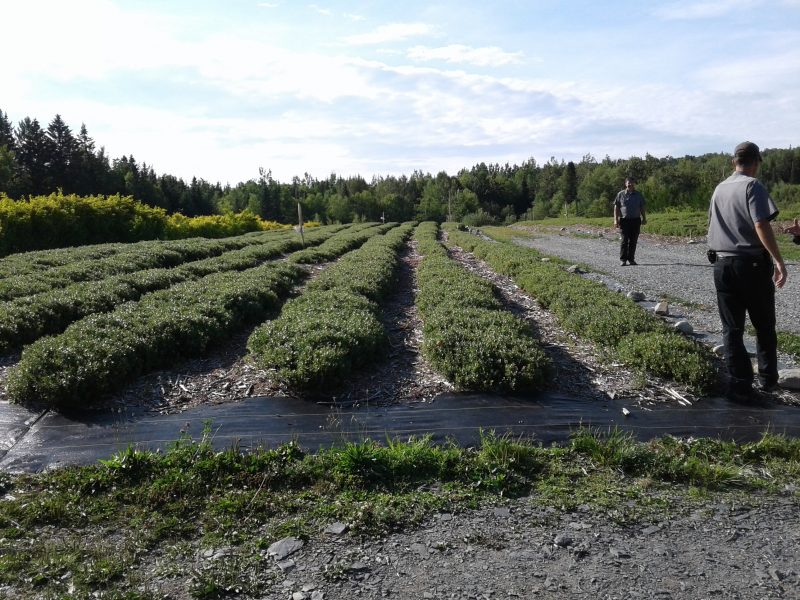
point(523, 550)
point(672, 267)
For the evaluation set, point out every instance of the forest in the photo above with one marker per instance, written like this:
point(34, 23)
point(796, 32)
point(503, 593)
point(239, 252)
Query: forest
point(37, 160)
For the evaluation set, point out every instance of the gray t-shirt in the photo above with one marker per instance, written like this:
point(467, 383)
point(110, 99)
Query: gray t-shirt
point(737, 205)
point(630, 204)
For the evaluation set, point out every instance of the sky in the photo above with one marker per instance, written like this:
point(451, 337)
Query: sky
point(221, 89)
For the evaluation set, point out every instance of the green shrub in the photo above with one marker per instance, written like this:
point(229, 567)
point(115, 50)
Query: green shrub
point(592, 311)
point(320, 338)
point(179, 226)
point(671, 356)
point(332, 329)
point(95, 355)
point(26, 319)
point(58, 220)
point(480, 349)
point(468, 336)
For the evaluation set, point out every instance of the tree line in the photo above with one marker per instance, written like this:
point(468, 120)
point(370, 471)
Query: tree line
point(36, 160)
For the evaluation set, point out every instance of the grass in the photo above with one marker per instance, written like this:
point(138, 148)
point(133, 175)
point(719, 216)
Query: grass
point(789, 343)
point(138, 521)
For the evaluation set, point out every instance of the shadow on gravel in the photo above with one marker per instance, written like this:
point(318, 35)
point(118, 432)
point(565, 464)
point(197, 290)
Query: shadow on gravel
point(32, 442)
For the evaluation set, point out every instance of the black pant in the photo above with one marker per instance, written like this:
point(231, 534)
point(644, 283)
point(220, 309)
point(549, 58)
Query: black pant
point(745, 285)
point(629, 228)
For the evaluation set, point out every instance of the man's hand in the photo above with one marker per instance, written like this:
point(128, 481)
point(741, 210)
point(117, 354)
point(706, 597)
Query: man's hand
point(794, 229)
point(779, 277)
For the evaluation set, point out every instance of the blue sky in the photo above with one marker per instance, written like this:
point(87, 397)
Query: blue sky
point(219, 89)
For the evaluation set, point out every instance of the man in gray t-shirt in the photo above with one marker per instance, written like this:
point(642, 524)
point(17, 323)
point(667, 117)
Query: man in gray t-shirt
point(740, 233)
point(629, 217)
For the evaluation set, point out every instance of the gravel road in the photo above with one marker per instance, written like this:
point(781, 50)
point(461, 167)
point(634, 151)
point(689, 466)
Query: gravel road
point(667, 267)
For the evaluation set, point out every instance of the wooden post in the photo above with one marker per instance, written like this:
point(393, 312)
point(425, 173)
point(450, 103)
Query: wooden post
point(299, 228)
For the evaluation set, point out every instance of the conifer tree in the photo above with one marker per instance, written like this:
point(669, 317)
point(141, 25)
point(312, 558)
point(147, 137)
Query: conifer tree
point(33, 152)
point(6, 132)
point(62, 149)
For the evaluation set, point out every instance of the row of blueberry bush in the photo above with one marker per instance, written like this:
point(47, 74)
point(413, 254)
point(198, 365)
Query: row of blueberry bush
point(333, 328)
point(26, 319)
point(135, 257)
point(102, 352)
point(592, 311)
point(468, 336)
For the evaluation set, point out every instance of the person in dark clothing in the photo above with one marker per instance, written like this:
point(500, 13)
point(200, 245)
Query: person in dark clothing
point(747, 270)
point(629, 216)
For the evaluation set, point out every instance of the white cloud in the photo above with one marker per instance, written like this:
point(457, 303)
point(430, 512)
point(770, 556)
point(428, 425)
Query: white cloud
point(458, 53)
point(323, 11)
point(755, 74)
point(257, 69)
point(353, 17)
point(268, 4)
point(395, 32)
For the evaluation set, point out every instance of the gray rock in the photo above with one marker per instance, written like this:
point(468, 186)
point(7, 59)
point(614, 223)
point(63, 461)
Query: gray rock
point(652, 529)
point(336, 528)
point(662, 308)
point(636, 296)
point(789, 379)
point(216, 554)
point(575, 269)
point(502, 511)
point(562, 540)
point(420, 550)
point(286, 565)
point(283, 548)
point(317, 595)
point(776, 574)
point(684, 327)
point(617, 553)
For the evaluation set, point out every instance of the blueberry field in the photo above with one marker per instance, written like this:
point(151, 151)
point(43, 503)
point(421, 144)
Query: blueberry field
point(407, 310)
